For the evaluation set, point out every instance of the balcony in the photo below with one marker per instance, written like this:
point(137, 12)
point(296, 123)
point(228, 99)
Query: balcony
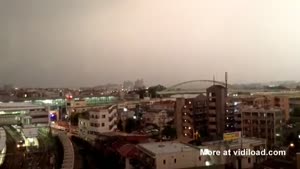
point(212, 104)
point(185, 124)
point(212, 112)
point(237, 118)
point(212, 127)
point(188, 119)
point(211, 119)
point(111, 118)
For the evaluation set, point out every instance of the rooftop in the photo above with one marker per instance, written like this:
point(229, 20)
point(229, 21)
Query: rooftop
point(260, 109)
point(237, 143)
point(18, 106)
point(166, 147)
point(84, 115)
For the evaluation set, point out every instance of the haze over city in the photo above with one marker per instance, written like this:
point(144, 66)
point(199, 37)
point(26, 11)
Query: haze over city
point(78, 43)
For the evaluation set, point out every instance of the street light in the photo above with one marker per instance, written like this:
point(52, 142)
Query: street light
point(207, 163)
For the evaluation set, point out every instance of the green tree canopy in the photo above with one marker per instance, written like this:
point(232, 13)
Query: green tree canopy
point(154, 89)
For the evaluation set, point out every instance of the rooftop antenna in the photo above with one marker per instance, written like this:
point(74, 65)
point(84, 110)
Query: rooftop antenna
point(226, 80)
point(214, 80)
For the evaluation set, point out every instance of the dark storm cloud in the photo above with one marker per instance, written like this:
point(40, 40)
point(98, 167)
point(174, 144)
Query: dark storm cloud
point(75, 43)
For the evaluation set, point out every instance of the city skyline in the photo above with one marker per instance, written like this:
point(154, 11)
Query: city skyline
point(58, 43)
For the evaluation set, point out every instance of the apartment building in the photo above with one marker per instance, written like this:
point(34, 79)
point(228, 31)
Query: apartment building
point(97, 121)
point(168, 105)
point(190, 117)
point(76, 106)
point(281, 102)
point(204, 115)
point(216, 96)
point(160, 118)
point(262, 123)
point(233, 114)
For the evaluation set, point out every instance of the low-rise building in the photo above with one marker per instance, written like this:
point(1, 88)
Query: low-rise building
point(83, 125)
point(97, 121)
point(167, 105)
point(30, 117)
point(23, 113)
point(245, 161)
point(175, 155)
point(160, 118)
point(166, 155)
point(77, 106)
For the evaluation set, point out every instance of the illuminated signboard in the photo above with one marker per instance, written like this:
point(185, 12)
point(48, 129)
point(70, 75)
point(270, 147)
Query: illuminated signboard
point(231, 136)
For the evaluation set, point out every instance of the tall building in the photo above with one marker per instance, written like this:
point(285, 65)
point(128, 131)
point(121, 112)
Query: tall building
point(216, 96)
point(233, 115)
point(262, 123)
point(190, 116)
point(202, 115)
point(139, 84)
point(128, 85)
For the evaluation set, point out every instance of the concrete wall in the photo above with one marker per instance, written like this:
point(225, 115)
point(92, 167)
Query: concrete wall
point(183, 160)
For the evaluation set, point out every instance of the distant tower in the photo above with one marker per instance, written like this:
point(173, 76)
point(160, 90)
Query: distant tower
point(226, 80)
point(226, 83)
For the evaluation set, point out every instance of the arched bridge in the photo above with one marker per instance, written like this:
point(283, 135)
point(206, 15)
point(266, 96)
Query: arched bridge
point(192, 87)
point(200, 86)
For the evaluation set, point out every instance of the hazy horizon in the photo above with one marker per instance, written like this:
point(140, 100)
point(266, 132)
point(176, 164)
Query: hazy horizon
point(61, 43)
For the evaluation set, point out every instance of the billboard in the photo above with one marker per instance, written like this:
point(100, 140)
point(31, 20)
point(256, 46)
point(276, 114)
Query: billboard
point(232, 136)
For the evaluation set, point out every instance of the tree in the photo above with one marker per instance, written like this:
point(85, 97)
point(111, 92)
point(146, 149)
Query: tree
point(74, 119)
point(154, 89)
point(120, 125)
point(132, 125)
point(141, 93)
point(296, 112)
point(169, 132)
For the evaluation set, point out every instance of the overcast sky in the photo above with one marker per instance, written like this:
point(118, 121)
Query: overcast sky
point(78, 43)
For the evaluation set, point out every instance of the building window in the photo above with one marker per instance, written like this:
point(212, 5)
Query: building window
point(103, 116)
point(199, 158)
point(96, 116)
point(164, 161)
point(249, 160)
point(103, 124)
point(175, 160)
point(92, 116)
